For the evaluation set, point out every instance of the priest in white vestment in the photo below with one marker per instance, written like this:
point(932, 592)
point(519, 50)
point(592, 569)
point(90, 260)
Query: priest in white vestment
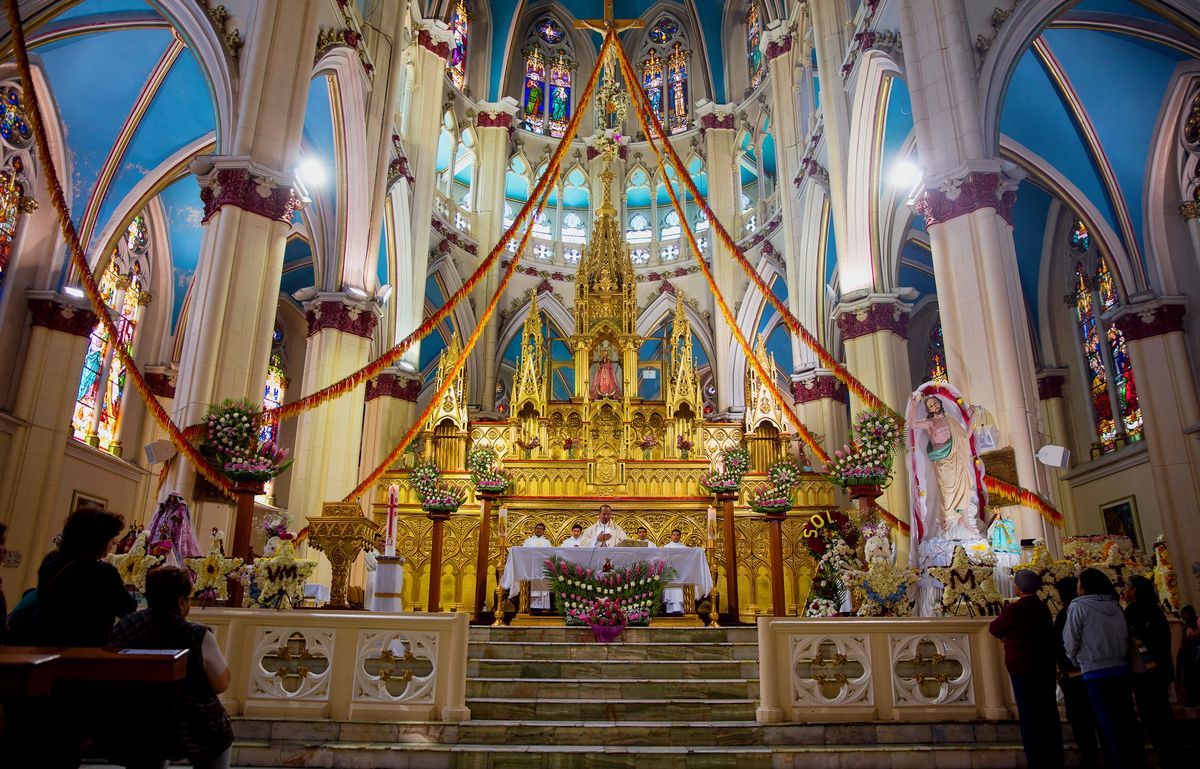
point(538, 599)
point(604, 532)
point(673, 596)
point(576, 538)
point(371, 563)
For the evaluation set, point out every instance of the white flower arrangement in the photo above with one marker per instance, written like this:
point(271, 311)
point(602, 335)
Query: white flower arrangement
point(821, 607)
point(134, 565)
point(213, 571)
point(887, 589)
point(281, 577)
point(1051, 570)
point(970, 589)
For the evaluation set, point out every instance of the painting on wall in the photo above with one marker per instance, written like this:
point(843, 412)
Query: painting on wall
point(82, 499)
point(1121, 519)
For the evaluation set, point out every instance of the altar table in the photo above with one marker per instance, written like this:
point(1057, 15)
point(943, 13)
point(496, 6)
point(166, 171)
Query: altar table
point(529, 563)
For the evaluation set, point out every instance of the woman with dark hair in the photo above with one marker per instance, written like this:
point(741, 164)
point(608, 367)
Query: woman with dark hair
point(203, 733)
point(1096, 640)
point(1070, 680)
point(79, 593)
point(1150, 640)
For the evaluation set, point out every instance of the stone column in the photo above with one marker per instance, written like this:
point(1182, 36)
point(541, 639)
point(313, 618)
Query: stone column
point(1167, 390)
point(328, 437)
point(248, 203)
point(391, 400)
point(493, 126)
point(49, 382)
point(821, 403)
point(1050, 385)
point(724, 197)
point(875, 331)
point(967, 202)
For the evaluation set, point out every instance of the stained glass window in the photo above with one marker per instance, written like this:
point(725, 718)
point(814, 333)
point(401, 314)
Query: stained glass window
point(460, 25)
point(663, 31)
point(652, 81)
point(14, 127)
point(98, 400)
point(10, 200)
point(550, 32)
point(275, 387)
point(935, 355)
point(560, 97)
point(670, 227)
point(1102, 341)
point(535, 91)
point(677, 90)
point(639, 229)
point(754, 29)
point(572, 228)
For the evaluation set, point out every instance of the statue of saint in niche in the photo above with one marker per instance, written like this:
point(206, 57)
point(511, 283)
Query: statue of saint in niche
point(605, 373)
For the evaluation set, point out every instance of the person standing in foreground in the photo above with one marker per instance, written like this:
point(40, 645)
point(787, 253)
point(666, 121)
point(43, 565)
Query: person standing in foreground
point(1150, 639)
point(1027, 631)
point(1070, 680)
point(1096, 639)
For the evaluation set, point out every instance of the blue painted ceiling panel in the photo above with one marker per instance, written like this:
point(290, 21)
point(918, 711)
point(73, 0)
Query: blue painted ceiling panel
point(1029, 232)
point(101, 7)
point(181, 202)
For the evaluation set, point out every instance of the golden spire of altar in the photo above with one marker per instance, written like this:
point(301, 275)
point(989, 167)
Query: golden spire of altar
point(605, 288)
point(683, 382)
point(453, 406)
point(761, 405)
point(529, 384)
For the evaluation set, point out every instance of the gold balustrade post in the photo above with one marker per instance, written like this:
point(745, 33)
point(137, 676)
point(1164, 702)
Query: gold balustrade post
point(731, 615)
point(487, 502)
point(439, 518)
point(775, 530)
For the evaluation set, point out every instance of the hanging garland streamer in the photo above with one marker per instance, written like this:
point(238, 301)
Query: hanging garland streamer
point(79, 262)
point(552, 172)
point(768, 380)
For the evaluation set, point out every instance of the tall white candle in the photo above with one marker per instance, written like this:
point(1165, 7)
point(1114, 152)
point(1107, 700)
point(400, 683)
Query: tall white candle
point(712, 524)
point(502, 525)
point(393, 508)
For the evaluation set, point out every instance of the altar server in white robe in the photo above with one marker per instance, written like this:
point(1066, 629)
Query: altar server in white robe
point(576, 538)
point(371, 564)
point(673, 596)
point(604, 532)
point(538, 599)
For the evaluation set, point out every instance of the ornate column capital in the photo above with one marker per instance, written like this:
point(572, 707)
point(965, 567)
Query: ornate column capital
point(1050, 383)
point(240, 182)
point(394, 384)
point(1156, 317)
point(435, 38)
point(819, 385)
point(966, 190)
point(338, 312)
point(715, 117)
point(497, 114)
point(162, 380)
point(778, 42)
point(872, 314)
point(62, 313)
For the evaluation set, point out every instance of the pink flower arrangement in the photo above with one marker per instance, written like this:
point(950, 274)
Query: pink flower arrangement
point(648, 441)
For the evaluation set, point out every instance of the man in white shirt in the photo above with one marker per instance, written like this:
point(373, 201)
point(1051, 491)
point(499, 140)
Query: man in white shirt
point(603, 533)
point(643, 535)
point(673, 596)
point(576, 538)
point(538, 599)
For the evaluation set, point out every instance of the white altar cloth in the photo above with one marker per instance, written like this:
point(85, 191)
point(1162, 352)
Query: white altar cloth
point(529, 563)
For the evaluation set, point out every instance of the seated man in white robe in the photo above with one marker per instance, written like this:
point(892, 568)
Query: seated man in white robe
point(538, 599)
point(643, 535)
point(604, 532)
point(673, 596)
point(576, 538)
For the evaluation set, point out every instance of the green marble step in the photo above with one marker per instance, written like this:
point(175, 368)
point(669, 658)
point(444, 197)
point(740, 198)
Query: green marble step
point(561, 650)
point(628, 733)
point(684, 635)
point(596, 670)
point(654, 709)
point(614, 688)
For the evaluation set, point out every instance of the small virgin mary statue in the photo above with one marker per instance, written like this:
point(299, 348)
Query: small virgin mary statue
point(606, 375)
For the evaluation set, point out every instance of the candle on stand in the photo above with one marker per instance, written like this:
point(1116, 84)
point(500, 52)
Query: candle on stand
point(393, 509)
point(712, 525)
point(502, 526)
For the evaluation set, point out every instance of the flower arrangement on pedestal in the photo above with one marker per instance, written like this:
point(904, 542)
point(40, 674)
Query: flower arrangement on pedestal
point(485, 474)
point(684, 446)
point(133, 565)
point(821, 534)
point(647, 444)
point(213, 571)
point(637, 589)
point(436, 494)
point(528, 445)
point(887, 589)
point(1051, 570)
point(279, 578)
point(232, 437)
point(868, 459)
point(969, 586)
point(726, 475)
point(767, 498)
point(607, 619)
point(785, 474)
point(569, 445)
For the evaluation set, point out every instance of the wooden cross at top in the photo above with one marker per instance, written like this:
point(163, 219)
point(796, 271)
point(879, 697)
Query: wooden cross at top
point(608, 22)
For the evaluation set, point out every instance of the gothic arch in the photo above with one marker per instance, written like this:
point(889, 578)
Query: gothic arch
point(663, 307)
point(193, 25)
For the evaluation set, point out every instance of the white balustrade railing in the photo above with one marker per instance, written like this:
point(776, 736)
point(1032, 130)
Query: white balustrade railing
point(342, 665)
point(881, 669)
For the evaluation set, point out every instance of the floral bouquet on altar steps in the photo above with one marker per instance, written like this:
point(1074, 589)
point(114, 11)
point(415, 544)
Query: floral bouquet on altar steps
point(607, 619)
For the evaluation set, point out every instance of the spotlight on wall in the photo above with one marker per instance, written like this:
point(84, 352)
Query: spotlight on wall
point(1054, 456)
point(159, 451)
point(310, 172)
point(904, 174)
point(72, 291)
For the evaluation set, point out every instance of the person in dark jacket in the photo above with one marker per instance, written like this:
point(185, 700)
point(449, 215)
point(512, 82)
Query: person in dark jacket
point(79, 593)
point(1187, 664)
point(1096, 640)
point(1027, 631)
point(203, 733)
point(1070, 680)
point(1150, 639)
